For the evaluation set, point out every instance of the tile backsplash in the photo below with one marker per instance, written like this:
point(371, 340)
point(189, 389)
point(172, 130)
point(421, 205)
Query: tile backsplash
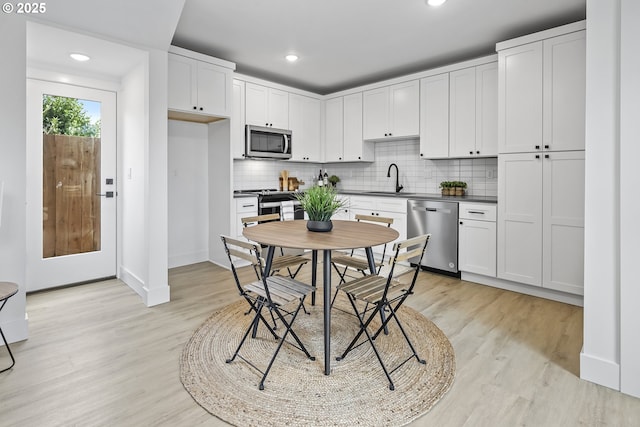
point(416, 175)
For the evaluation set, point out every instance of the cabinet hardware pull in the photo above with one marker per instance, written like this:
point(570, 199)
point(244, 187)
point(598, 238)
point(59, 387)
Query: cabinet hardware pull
point(537, 147)
point(546, 147)
point(537, 156)
point(476, 212)
point(460, 222)
point(546, 156)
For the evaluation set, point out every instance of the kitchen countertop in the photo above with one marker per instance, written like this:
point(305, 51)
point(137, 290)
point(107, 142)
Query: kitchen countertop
point(423, 196)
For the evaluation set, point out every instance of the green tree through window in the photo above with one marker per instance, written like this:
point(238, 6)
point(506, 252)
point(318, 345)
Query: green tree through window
point(66, 116)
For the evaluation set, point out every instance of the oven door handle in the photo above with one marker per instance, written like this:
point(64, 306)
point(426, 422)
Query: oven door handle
point(275, 204)
point(286, 144)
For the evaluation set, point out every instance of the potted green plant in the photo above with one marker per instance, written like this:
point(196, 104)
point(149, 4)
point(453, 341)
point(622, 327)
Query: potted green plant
point(460, 187)
point(334, 180)
point(446, 187)
point(320, 203)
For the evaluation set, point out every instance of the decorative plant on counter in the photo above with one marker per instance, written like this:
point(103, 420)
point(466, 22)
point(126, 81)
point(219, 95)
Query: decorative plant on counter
point(453, 188)
point(334, 180)
point(320, 203)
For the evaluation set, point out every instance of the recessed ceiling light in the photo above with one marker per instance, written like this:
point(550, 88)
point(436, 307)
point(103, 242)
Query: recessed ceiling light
point(435, 2)
point(79, 57)
point(291, 57)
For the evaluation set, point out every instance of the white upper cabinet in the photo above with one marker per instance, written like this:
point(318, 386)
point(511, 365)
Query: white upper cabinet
point(333, 133)
point(542, 95)
point(434, 117)
point(199, 87)
point(473, 111)
point(392, 112)
point(237, 120)
point(564, 92)
point(343, 130)
point(266, 106)
point(304, 122)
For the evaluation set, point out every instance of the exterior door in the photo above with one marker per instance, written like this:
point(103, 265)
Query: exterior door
point(71, 184)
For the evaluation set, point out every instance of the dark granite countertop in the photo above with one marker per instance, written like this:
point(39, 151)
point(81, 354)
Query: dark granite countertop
point(423, 196)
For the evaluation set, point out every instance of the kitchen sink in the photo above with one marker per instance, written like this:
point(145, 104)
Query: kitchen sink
point(387, 193)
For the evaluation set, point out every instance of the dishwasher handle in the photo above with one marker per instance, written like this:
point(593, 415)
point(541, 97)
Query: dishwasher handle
point(427, 209)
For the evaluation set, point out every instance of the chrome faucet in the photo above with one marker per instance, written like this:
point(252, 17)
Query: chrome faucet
point(398, 187)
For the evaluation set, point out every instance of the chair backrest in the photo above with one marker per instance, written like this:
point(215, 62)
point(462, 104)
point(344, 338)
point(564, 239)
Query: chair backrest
point(378, 220)
point(410, 249)
point(242, 250)
point(257, 219)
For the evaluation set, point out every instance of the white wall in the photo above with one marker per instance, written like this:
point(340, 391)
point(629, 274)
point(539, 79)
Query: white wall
point(188, 193)
point(132, 125)
point(12, 171)
point(144, 225)
point(611, 351)
point(629, 201)
point(220, 188)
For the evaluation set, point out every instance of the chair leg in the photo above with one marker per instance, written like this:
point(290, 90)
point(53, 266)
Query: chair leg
point(284, 336)
point(6, 344)
point(404, 333)
point(363, 329)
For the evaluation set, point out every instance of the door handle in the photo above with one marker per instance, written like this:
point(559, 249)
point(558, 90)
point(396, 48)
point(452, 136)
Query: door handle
point(108, 194)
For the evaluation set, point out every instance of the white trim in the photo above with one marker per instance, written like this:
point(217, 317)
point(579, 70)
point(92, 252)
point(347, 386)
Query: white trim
point(599, 371)
point(541, 35)
point(133, 281)
point(156, 296)
point(535, 291)
point(201, 57)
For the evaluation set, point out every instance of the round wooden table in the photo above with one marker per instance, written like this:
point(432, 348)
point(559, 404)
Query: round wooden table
point(344, 235)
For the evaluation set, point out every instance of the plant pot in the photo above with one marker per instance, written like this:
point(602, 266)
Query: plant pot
point(459, 191)
point(320, 226)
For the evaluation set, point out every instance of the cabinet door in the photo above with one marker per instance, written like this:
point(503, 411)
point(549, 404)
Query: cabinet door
point(520, 98)
point(564, 92)
point(256, 105)
point(462, 113)
point(477, 247)
point(404, 109)
point(237, 120)
point(354, 148)
point(278, 108)
point(487, 110)
point(520, 218)
point(304, 121)
point(376, 113)
point(563, 221)
point(434, 117)
point(214, 90)
point(333, 135)
point(182, 75)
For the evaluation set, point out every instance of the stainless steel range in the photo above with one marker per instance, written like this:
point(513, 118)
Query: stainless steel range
point(270, 201)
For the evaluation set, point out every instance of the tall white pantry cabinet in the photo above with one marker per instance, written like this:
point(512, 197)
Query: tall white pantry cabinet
point(541, 159)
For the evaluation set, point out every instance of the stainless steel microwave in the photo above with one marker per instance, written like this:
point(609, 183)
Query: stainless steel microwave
point(266, 142)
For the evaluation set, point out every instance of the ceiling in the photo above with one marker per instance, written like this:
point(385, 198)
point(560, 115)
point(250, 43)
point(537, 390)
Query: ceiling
point(348, 43)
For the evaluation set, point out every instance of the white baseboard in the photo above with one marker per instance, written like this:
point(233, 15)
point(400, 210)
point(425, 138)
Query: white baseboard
point(599, 371)
point(150, 297)
point(524, 289)
point(15, 330)
point(188, 258)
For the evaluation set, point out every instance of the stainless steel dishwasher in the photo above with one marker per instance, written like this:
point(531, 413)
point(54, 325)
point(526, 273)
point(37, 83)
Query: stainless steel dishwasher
point(441, 220)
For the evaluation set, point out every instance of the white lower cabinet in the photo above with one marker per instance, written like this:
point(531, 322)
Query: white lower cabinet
point(245, 206)
point(389, 207)
point(477, 238)
point(541, 219)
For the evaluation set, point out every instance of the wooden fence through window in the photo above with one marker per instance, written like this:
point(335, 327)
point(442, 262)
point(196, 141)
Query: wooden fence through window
point(71, 206)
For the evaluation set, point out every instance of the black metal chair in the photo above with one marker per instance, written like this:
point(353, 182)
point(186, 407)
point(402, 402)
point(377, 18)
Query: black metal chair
point(343, 262)
point(7, 290)
point(271, 293)
point(387, 294)
point(282, 261)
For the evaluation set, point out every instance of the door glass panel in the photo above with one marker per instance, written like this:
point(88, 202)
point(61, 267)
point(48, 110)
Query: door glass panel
point(71, 176)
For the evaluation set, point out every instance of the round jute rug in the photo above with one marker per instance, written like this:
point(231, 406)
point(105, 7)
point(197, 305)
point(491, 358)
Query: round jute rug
point(297, 393)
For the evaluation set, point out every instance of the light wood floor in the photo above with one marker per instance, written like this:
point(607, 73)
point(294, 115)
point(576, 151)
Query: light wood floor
point(97, 356)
